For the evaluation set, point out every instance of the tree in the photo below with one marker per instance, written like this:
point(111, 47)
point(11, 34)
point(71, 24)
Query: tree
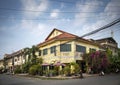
point(39, 60)
point(76, 67)
point(33, 50)
point(17, 70)
point(114, 60)
point(109, 55)
point(97, 61)
point(26, 66)
point(26, 52)
point(30, 52)
point(67, 70)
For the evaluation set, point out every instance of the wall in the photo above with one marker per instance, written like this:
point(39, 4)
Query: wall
point(1, 63)
point(65, 57)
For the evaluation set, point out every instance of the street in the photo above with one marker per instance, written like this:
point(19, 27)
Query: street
point(112, 79)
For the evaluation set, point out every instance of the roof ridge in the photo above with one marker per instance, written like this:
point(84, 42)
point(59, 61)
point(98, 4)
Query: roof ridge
point(60, 34)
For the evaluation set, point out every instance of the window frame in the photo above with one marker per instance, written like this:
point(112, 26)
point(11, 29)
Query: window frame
point(45, 51)
point(65, 48)
point(92, 50)
point(80, 48)
point(52, 49)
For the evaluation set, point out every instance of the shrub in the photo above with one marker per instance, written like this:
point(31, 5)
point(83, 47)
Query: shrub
point(17, 70)
point(76, 68)
point(51, 73)
point(39, 70)
point(67, 70)
point(56, 70)
point(35, 69)
point(25, 67)
point(97, 61)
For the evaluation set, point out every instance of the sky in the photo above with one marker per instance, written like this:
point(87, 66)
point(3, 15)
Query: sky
point(24, 23)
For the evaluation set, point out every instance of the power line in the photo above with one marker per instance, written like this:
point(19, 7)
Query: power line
point(60, 19)
point(104, 33)
point(68, 2)
point(114, 28)
point(13, 9)
point(69, 18)
point(104, 27)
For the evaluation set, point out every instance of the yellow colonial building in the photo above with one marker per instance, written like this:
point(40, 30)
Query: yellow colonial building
point(13, 60)
point(59, 46)
point(65, 47)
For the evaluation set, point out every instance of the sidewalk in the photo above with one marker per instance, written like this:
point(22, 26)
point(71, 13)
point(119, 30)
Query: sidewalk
point(85, 75)
point(89, 75)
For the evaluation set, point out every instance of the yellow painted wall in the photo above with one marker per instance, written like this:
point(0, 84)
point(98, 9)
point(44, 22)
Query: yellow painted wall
point(54, 34)
point(65, 57)
point(8, 63)
point(1, 64)
point(88, 46)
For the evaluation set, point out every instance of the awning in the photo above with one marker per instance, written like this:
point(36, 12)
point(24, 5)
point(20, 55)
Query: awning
point(45, 64)
point(59, 64)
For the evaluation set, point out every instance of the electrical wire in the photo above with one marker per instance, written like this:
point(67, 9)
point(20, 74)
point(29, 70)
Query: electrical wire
point(13, 9)
point(68, 2)
point(63, 19)
point(104, 27)
point(103, 33)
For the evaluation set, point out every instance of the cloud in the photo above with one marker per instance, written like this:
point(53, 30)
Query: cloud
point(108, 13)
point(62, 5)
point(35, 5)
point(85, 11)
point(34, 28)
point(55, 13)
point(112, 9)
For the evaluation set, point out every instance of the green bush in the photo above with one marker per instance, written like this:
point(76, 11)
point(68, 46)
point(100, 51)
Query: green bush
point(17, 70)
point(39, 70)
point(56, 70)
point(51, 73)
point(67, 70)
point(25, 67)
point(35, 69)
point(76, 69)
point(62, 72)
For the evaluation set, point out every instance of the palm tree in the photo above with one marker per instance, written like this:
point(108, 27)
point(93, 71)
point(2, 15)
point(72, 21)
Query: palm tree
point(26, 52)
point(33, 50)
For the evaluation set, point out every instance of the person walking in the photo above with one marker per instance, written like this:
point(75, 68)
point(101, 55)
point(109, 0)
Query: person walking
point(81, 75)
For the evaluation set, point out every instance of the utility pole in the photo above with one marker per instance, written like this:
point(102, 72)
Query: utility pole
point(112, 33)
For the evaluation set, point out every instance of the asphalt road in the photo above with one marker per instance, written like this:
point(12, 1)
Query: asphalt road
point(112, 79)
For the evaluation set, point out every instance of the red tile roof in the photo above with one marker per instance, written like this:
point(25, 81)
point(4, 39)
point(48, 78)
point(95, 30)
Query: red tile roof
point(64, 35)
